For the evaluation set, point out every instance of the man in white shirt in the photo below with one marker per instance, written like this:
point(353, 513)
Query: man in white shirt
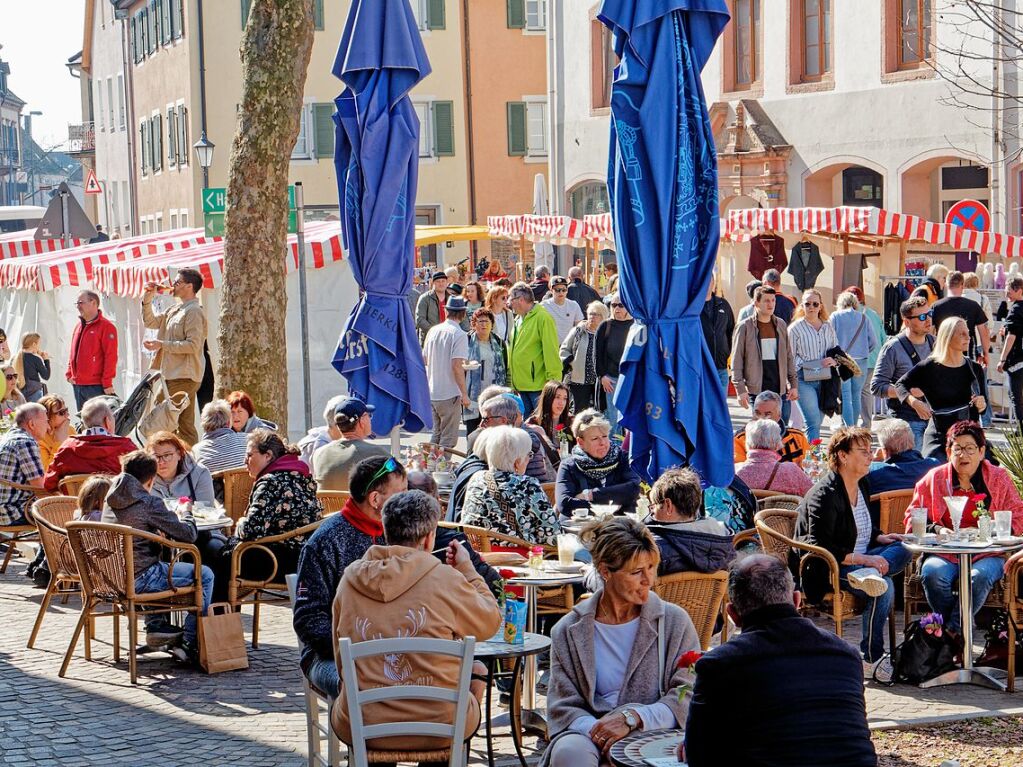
point(565, 311)
point(445, 349)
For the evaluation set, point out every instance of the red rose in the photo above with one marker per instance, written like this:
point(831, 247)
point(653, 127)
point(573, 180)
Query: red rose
point(506, 573)
point(688, 659)
point(559, 427)
point(815, 441)
point(977, 498)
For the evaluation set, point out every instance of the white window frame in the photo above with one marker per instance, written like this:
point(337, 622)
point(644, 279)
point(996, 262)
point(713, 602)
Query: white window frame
point(173, 219)
point(110, 104)
point(120, 103)
point(424, 111)
point(183, 218)
point(421, 11)
point(305, 134)
point(99, 115)
point(538, 10)
point(534, 103)
point(158, 223)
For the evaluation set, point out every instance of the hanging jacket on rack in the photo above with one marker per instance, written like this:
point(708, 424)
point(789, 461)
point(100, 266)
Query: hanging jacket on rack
point(766, 251)
point(892, 301)
point(805, 264)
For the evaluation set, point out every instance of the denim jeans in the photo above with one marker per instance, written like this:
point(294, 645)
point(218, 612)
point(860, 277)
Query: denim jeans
point(876, 612)
point(530, 399)
point(939, 576)
point(809, 403)
point(611, 412)
point(867, 400)
point(851, 392)
point(723, 378)
point(85, 393)
point(323, 675)
point(918, 428)
point(154, 578)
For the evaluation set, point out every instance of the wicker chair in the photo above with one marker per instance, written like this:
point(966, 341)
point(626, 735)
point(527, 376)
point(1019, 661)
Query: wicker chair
point(893, 504)
point(72, 483)
point(51, 516)
point(237, 489)
point(548, 488)
point(1014, 604)
point(778, 501)
point(699, 594)
point(777, 531)
point(332, 500)
point(271, 590)
point(105, 556)
point(26, 532)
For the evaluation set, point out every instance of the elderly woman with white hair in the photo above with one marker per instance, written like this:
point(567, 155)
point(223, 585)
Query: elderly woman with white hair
point(597, 470)
point(221, 447)
point(503, 498)
point(857, 337)
point(763, 468)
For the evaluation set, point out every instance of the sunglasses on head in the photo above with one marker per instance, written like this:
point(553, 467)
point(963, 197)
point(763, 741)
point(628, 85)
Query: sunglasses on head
point(390, 465)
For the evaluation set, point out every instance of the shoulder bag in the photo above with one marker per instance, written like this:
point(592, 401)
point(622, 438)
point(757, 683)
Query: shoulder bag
point(815, 370)
point(163, 416)
point(921, 656)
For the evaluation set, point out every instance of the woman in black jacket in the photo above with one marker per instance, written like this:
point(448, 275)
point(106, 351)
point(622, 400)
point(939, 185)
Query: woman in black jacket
point(596, 471)
point(834, 515)
point(610, 342)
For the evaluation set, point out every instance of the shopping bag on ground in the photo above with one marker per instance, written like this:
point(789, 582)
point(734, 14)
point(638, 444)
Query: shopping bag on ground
point(163, 416)
point(221, 640)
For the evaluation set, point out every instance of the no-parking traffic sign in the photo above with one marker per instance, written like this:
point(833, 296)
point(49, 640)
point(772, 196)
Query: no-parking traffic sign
point(969, 214)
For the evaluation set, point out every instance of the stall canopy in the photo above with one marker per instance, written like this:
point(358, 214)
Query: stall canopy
point(431, 235)
point(23, 243)
point(556, 230)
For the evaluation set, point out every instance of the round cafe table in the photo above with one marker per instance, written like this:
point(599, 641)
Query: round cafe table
point(965, 551)
point(642, 748)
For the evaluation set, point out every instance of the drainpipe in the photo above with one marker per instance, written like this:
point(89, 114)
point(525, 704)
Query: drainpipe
point(555, 192)
point(129, 97)
point(997, 225)
point(470, 143)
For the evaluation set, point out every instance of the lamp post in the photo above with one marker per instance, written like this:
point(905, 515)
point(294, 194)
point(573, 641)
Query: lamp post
point(204, 154)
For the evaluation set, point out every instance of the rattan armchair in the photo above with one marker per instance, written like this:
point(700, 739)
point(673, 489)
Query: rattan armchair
point(237, 489)
point(701, 595)
point(105, 556)
point(1014, 605)
point(13, 534)
point(549, 488)
point(777, 536)
point(72, 483)
point(892, 514)
point(51, 516)
point(777, 500)
point(332, 501)
point(271, 590)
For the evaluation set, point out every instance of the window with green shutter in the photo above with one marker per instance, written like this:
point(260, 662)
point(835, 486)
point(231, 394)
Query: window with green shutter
point(435, 17)
point(246, 7)
point(156, 139)
point(183, 148)
point(318, 14)
point(172, 137)
point(517, 129)
point(177, 18)
point(165, 21)
point(153, 28)
point(144, 147)
point(444, 128)
point(516, 14)
point(323, 130)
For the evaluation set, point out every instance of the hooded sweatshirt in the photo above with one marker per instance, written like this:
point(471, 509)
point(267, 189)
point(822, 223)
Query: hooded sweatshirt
point(396, 591)
point(129, 503)
point(192, 480)
point(283, 499)
point(89, 454)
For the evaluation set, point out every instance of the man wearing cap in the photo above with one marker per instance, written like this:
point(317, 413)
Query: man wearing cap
point(333, 463)
point(430, 308)
point(445, 349)
point(564, 310)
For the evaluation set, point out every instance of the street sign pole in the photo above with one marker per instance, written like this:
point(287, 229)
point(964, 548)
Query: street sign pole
point(304, 306)
point(65, 223)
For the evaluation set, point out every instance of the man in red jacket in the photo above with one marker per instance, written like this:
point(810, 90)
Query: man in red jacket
point(97, 450)
point(93, 362)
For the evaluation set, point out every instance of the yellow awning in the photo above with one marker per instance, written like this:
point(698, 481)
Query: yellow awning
point(430, 235)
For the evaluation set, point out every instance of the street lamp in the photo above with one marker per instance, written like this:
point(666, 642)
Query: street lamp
point(204, 154)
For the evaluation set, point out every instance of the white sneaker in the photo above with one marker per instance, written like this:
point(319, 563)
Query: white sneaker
point(868, 580)
point(868, 671)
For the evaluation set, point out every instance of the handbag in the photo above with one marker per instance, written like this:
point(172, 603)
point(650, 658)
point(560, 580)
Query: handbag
point(221, 640)
point(163, 416)
point(815, 370)
point(922, 656)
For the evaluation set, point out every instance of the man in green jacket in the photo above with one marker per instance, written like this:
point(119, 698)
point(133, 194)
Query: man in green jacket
point(534, 354)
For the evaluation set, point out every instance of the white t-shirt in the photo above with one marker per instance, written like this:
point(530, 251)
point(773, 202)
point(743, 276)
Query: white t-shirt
point(445, 342)
point(565, 316)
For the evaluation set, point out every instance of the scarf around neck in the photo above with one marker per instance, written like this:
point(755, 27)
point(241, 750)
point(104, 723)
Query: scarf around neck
point(361, 521)
point(596, 470)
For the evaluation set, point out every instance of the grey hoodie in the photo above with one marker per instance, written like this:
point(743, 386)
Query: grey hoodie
point(129, 503)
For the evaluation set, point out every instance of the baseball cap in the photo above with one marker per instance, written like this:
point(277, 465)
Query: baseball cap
point(352, 408)
point(558, 281)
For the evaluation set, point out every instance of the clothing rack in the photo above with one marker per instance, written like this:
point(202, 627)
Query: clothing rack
point(901, 277)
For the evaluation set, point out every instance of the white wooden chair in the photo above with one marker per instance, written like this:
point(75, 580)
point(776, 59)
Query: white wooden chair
point(356, 698)
point(317, 710)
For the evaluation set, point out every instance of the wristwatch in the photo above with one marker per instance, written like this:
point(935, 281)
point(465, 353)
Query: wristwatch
point(631, 719)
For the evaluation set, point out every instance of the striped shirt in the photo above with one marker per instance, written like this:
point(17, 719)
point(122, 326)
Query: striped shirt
point(863, 527)
point(220, 450)
point(808, 343)
point(19, 463)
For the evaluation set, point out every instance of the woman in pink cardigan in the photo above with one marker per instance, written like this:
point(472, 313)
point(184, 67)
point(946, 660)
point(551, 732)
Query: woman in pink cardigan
point(967, 473)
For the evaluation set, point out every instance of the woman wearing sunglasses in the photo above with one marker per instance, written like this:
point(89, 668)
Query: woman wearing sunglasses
point(810, 337)
point(59, 427)
point(13, 398)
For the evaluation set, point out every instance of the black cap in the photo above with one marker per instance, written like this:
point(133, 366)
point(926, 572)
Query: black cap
point(438, 276)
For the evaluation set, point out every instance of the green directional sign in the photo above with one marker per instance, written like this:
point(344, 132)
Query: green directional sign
point(214, 208)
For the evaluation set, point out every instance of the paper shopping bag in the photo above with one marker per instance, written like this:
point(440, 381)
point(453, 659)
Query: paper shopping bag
point(221, 640)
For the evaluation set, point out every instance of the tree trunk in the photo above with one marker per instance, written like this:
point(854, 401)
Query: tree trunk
point(275, 53)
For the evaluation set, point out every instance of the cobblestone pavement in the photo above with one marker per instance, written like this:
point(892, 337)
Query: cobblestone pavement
point(179, 716)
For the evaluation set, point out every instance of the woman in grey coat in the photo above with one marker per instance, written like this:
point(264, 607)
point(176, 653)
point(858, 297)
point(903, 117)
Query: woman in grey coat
point(177, 474)
point(614, 658)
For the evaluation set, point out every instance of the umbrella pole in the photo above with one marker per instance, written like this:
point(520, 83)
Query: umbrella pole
point(396, 442)
point(303, 300)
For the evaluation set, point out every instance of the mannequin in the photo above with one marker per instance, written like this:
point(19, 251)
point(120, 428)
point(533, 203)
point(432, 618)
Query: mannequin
point(999, 277)
point(987, 276)
point(1013, 269)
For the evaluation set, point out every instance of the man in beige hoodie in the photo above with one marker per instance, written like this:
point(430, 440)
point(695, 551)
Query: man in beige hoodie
point(402, 590)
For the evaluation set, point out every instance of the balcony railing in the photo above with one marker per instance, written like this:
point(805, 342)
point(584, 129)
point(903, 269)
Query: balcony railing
point(9, 158)
point(81, 138)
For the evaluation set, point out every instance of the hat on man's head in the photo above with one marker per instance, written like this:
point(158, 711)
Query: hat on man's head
point(559, 281)
point(455, 304)
point(517, 400)
point(438, 276)
point(352, 408)
point(454, 289)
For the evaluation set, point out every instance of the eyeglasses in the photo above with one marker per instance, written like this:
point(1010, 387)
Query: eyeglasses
point(165, 457)
point(923, 316)
point(617, 306)
point(63, 412)
point(811, 304)
point(958, 449)
point(10, 376)
point(391, 464)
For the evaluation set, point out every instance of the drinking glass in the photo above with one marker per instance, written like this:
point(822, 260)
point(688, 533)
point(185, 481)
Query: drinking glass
point(956, 506)
point(919, 517)
point(568, 545)
point(1003, 524)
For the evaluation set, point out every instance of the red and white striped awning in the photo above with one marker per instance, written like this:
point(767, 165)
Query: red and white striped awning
point(557, 230)
point(599, 226)
point(128, 278)
point(743, 224)
point(14, 244)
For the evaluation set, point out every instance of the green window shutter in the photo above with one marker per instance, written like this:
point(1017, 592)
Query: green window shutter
point(435, 17)
point(143, 148)
point(517, 128)
point(516, 14)
point(444, 128)
point(323, 130)
point(172, 137)
point(156, 139)
point(175, 18)
point(165, 20)
point(183, 147)
point(246, 7)
point(318, 14)
point(181, 18)
point(153, 28)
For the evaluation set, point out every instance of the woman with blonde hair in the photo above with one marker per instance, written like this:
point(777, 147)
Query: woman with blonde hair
point(811, 335)
point(951, 386)
point(497, 302)
point(32, 367)
point(13, 398)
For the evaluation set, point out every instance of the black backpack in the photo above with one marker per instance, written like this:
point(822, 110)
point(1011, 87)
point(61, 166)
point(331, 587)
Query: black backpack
point(922, 656)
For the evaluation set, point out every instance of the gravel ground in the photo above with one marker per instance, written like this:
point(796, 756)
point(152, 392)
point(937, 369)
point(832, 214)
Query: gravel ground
point(971, 743)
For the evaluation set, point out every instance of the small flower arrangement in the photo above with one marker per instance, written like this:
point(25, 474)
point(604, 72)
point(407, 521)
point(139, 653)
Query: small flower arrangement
point(561, 432)
point(686, 662)
point(933, 624)
point(980, 508)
